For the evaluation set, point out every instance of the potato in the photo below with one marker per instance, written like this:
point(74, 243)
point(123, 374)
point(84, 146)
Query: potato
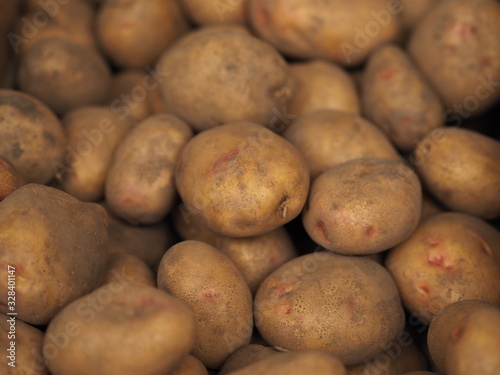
point(444, 323)
point(26, 342)
point(460, 168)
point(155, 100)
point(430, 207)
point(32, 137)
point(421, 373)
point(363, 206)
point(123, 267)
point(206, 71)
point(306, 362)
point(59, 259)
point(145, 27)
point(243, 179)
point(213, 287)
point(93, 134)
point(450, 257)
point(398, 358)
point(413, 11)
point(474, 346)
point(460, 39)
point(398, 99)
point(328, 138)
point(102, 332)
point(189, 365)
point(341, 31)
point(256, 257)
point(347, 305)
point(190, 226)
point(54, 64)
point(245, 356)
point(203, 12)
point(9, 178)
point(140, 185)
point(322, 85)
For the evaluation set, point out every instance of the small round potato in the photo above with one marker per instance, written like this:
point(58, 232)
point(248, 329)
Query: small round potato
point(363, 206)
point(123, 267)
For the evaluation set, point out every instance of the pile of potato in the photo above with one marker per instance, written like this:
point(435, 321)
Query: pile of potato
point(266, 187)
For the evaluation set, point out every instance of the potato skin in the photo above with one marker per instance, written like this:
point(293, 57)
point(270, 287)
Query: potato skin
point(243, 179)
point(213, 287)
point(336, 30)
point(363, 206)
point(218, 12)
point(34, 137)
point(450, 257)
point(145, 27)
point(460, 168)
point(327, 138)
point(63, 255)
point(104, 331)
point(9, 178)
point(398, 99)
point(189, 365)
point(190, 226)
point(244, 356)
point(322, 85)
point(209, 70)
point(123, 267)
point(48, 69)
point(347, 305)
point(460, 39)
point(140, 185)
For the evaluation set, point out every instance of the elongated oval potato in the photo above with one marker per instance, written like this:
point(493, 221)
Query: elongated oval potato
point(93, 134)
point(349, 306)
point(60, 258)
point(456, 45)
point(140, 185)
point(221, 75)
point(216, 12)
point(243, 179)
point(213, 287)
point(341, 31)
point(363, 206)
point(145, 27)
point(322, 85)
point(115, 319)
point(460, 168)
point(398, 99)
point(33, 139)
point(327, 138)
point(450, 257)
point(47, 71)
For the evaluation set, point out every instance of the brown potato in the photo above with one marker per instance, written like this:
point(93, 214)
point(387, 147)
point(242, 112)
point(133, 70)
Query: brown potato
point(450, 257)
point(190, 226)
point(215, 12)
point(54, 64)
point(414, 11)
point(316, 362)
point(243, 179)
point(444, 323)
point(123, 267)
point(206, 71)
point(396, 359)
point(32, 137)
point(145, 27)
point(60, 258)
point(102, 332)
point(398, 99)
point(245, 356)
point(457, 47)
point(347, 305)
point(460, 168)
point(341, 31)
point(322, 85)
point(189, 365)
point(140, 185)
point(256, 257)
point(9, 178)
point(93, 134)
point(474, 347)
point(363, 206)
point(22, 346)
point(213, 287)
point(328, 138)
